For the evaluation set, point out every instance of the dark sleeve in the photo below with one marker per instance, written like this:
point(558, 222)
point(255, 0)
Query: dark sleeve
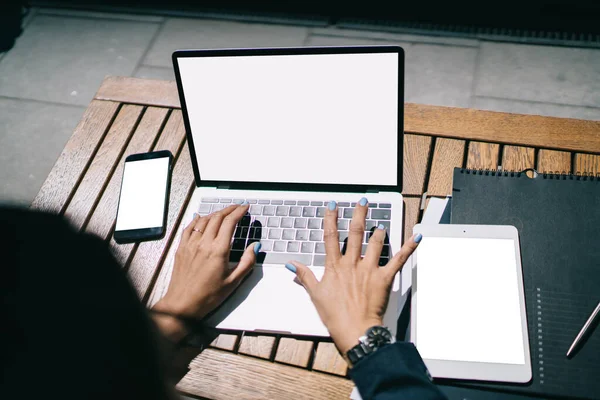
point(394, 372)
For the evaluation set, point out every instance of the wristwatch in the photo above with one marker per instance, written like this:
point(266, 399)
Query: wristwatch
point(375, 338)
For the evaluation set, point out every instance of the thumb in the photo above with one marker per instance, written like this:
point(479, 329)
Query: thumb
point(246, 263)
point(304, 274)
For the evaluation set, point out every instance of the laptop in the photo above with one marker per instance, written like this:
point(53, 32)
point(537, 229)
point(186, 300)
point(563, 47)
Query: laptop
point(288, 130)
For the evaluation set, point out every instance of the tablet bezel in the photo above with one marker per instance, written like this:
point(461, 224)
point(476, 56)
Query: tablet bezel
point(481, 371)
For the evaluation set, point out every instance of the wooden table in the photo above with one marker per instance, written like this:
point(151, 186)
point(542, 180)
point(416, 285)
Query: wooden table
point(131, 115)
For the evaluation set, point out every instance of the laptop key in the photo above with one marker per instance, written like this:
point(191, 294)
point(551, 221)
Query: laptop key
point(239, 244)
point(385, 205)
point(316, 203)
point(342, 235)
point(316, 236)
point(277, 202)
point(300, 223)
point(238, 201)
point(264, 202)
point(275, 234)
point(303, 203)
point(209, 200)
point(268, 210)
point(282, 211)
point(320, 248)
point(204, 208)
point(386, 224)
point(255, 209)
point(266, 245)
point(293, 247)
point(318, 260)
point(252, 201)
point(370, 224)
point(273, 222)
point(245, 221)
point(295, 211)
point(343, 204)
point(320, 212)
point(342, 225)
point(287, 222)
point(314, 223)
point(289, 202)
point(307, 247)
point(282, 258)
point(308, 211)
point(217, 207)
point(289, 234)
point(348, 212)
point(225, 201)
point(301, 234)
point(262, 221)
point(381, 214)
point(279, 246)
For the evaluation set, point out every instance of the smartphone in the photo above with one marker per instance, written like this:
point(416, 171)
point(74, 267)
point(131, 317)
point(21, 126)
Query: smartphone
point(144, 198)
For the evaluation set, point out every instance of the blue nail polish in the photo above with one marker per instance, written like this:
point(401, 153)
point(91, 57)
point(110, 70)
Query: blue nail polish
point(363, 201)
point(380, 226)
point(195, 215)
point(332, 205)
point(291, 267)
point(418, 237)
point(257, 247)
point(244, 203)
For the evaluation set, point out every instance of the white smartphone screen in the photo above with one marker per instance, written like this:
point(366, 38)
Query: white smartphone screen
point(143, 194)
point(468, 301)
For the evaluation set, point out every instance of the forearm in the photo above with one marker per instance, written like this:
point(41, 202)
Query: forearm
point(395, 371)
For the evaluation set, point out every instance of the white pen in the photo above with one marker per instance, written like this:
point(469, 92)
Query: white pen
point(584, 330)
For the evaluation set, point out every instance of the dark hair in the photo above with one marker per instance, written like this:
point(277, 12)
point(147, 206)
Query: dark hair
point(71, 322)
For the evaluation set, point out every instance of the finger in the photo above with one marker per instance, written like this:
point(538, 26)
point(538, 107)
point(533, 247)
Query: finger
point(376, 242)
point(304, 274)
point(187, 232)
point(230, 221)
point(212, 229)
point(330, 233)
point(399, 259)
point(357, 229)
point(245, 265)
point(199, 227)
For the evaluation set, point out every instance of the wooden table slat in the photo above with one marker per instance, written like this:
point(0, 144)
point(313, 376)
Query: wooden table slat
point(217, 375)
point(412, 209)
point(225, 341)
point(517, 158)
point(588, 164)
point(149, 255)
point(482, 155)
point(102, 220)
point(416, 156)
point(102, 166)
point(257, 346)
point(75, 157)
point(294, 351)
point(460, 123)
point(449, 153)
point(554, 161)
point(328, 359)
point(171, 138)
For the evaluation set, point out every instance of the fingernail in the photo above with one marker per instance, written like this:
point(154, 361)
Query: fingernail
point(380, 226)
point(257, 247)
point(363, 201)
point(418, 237)
point(291, 267)
point(332, 205)
point(196, 215)
point(244, 203)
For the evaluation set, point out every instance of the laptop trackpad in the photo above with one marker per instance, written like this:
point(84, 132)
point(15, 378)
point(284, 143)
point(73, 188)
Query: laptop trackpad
point(270, 299)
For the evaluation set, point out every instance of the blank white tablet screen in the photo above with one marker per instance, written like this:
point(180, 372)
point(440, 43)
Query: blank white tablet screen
point(468, 301)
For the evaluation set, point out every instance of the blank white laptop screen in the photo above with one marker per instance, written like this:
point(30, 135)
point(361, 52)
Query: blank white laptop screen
point(468, 301)
point(323, 118)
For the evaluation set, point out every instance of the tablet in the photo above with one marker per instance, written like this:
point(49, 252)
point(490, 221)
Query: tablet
point(468, 317)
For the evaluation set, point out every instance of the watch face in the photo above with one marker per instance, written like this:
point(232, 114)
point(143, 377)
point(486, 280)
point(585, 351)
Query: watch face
point(378, 336)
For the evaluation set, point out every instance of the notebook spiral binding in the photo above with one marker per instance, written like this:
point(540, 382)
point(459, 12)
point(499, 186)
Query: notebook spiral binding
point(558, 175)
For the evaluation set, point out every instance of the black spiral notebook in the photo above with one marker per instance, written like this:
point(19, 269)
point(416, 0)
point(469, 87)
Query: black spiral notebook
point(558, 218)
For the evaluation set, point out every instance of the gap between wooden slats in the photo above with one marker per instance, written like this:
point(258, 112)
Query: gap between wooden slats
point(104, 215)
point(102, 165)
point(149, 255)
point(587, 163)
point(448, 154)
point(517, 158)
point(75, 157)
point(553, 161)
point(261, 379)
point(172, 139)
point(416, 158)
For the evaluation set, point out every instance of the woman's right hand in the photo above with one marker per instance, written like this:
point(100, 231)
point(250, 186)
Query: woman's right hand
point(353, 294)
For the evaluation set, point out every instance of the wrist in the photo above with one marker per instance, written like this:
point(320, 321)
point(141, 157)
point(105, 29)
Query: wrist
point(348, 337)
point(169, 325)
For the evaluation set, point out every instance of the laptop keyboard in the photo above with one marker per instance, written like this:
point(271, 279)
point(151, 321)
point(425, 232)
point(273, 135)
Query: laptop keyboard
point(293, 230)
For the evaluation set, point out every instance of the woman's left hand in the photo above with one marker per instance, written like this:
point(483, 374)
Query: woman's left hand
point(202, 278)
